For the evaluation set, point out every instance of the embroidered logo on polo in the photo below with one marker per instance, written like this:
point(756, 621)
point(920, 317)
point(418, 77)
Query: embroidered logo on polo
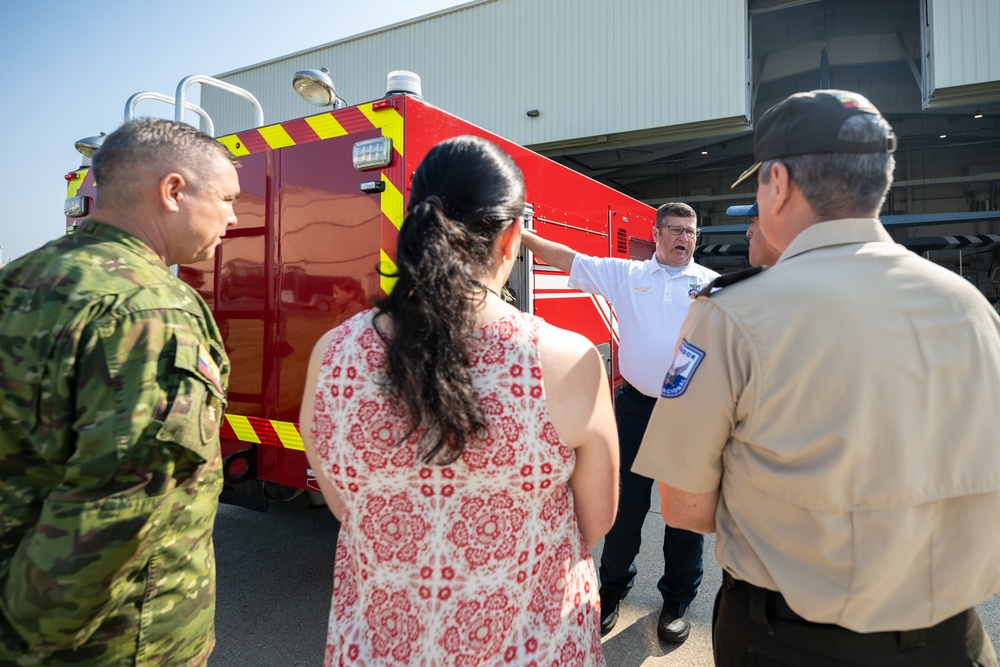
point(686, 362)
point(693, 290)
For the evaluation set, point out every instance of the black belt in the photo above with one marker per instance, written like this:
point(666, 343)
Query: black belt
point(764, 605)
point(762, 602)
point(635, 393)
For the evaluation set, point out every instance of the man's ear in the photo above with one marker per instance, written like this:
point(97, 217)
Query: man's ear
point(782, 186)
point(171, 190)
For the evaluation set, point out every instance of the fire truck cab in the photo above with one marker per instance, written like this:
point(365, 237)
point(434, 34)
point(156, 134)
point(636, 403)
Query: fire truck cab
point(322, 200)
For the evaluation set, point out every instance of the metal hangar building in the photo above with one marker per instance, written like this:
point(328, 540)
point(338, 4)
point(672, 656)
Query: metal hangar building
point(658, 98)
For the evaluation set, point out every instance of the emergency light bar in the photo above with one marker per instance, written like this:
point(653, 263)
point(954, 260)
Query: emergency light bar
point(372, 153)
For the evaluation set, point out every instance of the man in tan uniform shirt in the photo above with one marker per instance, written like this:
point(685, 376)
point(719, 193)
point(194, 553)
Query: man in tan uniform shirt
point(840, 424)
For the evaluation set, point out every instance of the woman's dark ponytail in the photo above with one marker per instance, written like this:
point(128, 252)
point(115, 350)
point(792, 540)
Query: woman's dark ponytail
point(464, 193)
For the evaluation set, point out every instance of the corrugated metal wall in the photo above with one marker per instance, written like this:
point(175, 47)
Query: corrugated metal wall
point(590, 67)
point(961, 49)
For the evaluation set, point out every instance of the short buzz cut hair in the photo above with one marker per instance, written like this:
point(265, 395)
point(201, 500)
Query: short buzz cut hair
point(674, 210)
point(145, 148)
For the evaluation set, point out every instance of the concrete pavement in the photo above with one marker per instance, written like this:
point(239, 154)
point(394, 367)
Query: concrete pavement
point(275, 576)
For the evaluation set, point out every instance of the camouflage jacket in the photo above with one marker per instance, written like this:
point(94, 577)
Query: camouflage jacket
point(112, 385)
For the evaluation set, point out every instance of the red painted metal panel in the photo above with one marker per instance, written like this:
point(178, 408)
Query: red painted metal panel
point(328, 240)
point(304, 255)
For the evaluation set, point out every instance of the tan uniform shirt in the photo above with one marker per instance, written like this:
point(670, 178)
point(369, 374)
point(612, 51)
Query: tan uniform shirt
point(846, 400)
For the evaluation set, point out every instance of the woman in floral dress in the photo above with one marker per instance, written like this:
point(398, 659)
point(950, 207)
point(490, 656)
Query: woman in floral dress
point(469, 449)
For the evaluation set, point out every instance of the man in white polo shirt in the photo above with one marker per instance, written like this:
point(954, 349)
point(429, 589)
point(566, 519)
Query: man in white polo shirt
point(651, 299)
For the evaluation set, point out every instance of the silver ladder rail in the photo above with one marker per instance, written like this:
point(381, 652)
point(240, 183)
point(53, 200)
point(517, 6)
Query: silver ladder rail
point(207, 126)
point(181, 101)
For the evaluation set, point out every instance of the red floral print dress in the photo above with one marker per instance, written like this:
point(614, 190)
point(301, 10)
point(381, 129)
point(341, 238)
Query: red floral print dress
point(479, 562)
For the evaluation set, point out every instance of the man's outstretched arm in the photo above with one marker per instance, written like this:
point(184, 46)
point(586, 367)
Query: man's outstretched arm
point(550, 252)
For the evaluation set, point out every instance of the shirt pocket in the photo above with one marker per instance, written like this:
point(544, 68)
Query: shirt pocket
point(195, 412)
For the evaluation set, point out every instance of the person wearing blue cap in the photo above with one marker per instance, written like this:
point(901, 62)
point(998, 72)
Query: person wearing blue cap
point(761, 252)
point(833, 419)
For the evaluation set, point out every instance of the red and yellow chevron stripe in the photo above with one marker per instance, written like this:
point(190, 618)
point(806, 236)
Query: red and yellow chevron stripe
point(262, 431)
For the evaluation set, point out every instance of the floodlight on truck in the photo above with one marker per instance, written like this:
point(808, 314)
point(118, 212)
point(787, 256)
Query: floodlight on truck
point(316, 87)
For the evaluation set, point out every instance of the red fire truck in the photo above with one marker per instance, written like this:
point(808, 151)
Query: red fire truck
point(322, 199)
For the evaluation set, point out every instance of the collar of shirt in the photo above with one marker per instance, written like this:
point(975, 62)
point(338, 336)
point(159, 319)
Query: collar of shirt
point(652, 266)
point(102, 231)
point(837, 232)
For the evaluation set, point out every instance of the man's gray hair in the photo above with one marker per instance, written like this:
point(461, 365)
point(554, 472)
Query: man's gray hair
point(150, 148)
point(843, 184)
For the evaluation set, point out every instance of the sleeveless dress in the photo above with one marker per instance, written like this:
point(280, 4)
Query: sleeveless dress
point(476, 563)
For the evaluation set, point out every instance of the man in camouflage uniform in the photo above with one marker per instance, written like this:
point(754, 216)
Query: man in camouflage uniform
point(112, 385)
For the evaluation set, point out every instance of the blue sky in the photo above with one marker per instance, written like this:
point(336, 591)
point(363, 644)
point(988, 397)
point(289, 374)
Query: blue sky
point(67, 69)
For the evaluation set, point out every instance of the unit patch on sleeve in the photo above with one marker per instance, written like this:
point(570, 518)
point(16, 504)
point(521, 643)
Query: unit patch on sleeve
point(682, 369)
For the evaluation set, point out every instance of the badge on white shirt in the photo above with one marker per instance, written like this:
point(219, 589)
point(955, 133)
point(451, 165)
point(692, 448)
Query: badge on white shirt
point(686, 362)
point(693, 290)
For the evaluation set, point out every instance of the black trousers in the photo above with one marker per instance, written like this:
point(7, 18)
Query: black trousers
point(682, 549)
point(754, 627)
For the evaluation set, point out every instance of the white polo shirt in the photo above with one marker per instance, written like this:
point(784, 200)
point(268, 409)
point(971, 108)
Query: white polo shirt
point(650, 305)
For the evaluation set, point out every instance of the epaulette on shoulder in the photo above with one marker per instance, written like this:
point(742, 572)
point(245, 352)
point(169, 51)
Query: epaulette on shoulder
point(727, 279)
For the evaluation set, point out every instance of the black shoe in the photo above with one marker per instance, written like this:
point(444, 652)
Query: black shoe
point(672, 627)
point(609, 608)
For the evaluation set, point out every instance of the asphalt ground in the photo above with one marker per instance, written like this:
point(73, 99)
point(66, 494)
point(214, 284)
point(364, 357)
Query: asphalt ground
point(275, 577)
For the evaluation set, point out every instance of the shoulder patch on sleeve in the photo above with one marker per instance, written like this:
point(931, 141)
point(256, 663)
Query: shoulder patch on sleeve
point(686, 362)
point(727, 279)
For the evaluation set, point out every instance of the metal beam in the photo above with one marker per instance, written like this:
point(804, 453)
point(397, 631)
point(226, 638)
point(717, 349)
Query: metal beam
point(788, 4)
point(914, 220)
point(909, 61)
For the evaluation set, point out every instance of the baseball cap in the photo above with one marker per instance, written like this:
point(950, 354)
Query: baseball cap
point(742, 211)
point(808, 123)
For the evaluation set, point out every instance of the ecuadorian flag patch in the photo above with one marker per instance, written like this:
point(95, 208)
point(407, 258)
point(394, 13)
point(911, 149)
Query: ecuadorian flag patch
point(686, 362)
point(208, 368)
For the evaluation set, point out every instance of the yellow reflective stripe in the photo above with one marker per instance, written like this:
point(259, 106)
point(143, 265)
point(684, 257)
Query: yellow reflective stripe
point(390, 122)
point(387, 266)
point(276, 136)
point(326, 126)
point(242, 428)
point(72, 187)
point(234, 144)
point(288, 435)
point(392, 203)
